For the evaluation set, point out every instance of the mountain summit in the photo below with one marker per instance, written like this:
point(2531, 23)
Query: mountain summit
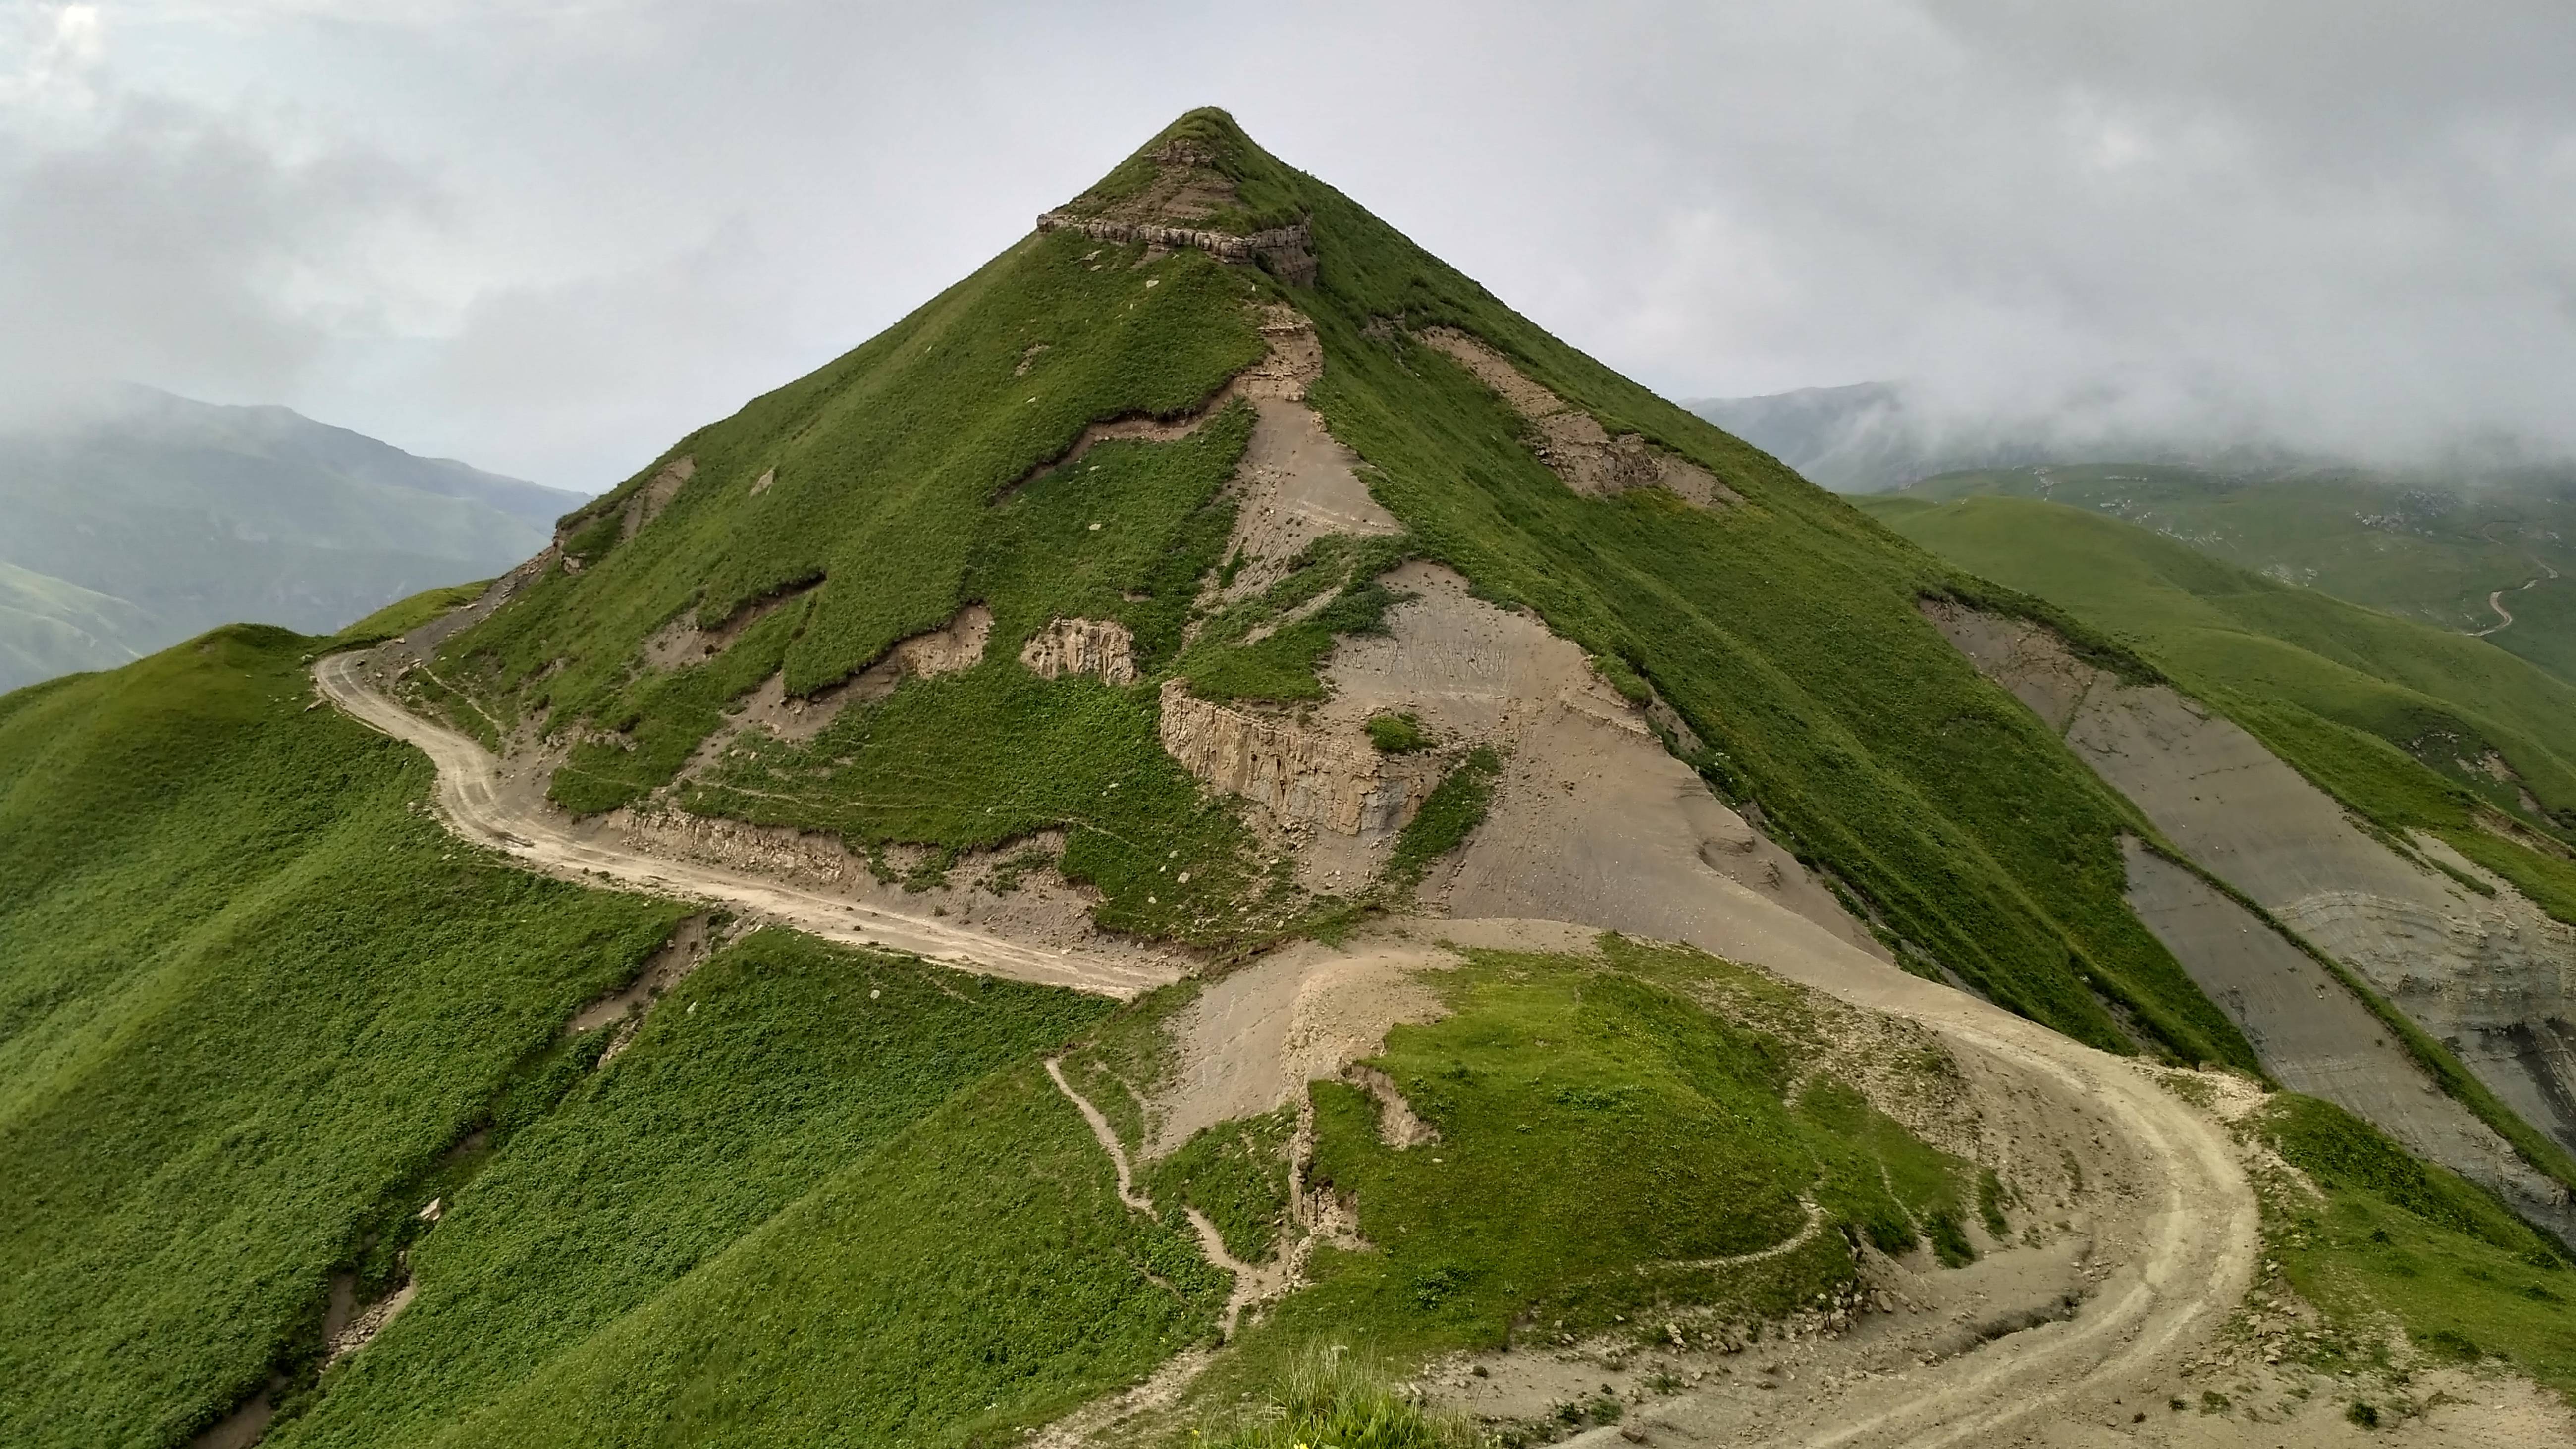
point(1153, 462)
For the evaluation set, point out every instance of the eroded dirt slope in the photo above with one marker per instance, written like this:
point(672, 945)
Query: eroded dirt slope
point(2486, 975)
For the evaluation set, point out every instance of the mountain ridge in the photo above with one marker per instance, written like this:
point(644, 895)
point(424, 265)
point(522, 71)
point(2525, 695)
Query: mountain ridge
point(190, 515)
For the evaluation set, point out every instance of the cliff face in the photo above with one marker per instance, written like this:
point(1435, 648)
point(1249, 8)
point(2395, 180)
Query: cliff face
point(1100, 647)
point(2494, 978)
point(1299, 773)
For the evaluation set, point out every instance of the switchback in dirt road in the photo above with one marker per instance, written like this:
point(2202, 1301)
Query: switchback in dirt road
point(2169, 1273)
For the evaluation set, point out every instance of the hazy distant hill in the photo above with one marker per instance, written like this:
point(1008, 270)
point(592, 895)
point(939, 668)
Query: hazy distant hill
point(146, 518)
point(1873, 436)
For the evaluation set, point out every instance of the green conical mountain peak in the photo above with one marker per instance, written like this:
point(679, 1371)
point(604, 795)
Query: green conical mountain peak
point(950, 464)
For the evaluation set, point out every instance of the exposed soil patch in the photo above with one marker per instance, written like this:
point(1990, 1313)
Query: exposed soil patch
point(2311, 1033)
point(1302, 775)
point(681, 642)
point(347, 1327)
point(1593, 819)
point(1252, 1040)
point(656, 495)
point(1101, 647)
point(2485, 974)
point(1573, 442)
point(690, 945)
point(1297, 483)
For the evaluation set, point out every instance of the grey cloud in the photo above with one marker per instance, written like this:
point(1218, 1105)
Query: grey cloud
point(179, 247)
point(2345, 224)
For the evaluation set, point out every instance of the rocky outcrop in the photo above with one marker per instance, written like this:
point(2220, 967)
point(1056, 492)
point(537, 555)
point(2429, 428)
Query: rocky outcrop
point(1572, 443)
point(1332, 779)
point(1082, 646)
point(1287, 252)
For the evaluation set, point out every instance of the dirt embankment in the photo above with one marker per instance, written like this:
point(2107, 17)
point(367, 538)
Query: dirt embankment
point(1572, 442)
point(2492, 977)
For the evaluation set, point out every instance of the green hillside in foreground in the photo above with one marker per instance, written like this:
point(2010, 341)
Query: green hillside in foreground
point(257, 1010)
point(2394, 717)
point(2432, 551)
point(874, 498)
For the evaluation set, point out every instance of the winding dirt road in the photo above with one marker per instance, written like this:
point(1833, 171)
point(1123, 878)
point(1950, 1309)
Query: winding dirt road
point(471, 802)
point(2174, 1261)
point(2168, 1277)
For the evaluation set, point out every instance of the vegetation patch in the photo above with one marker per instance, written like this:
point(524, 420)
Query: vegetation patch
point(1332, 1397)
point(1398, 734)
point(760, 1078)
point(2394, 1237)
point(1449, 814)
point(1609, 1148)
point(404, 615)
point(1236, 1174)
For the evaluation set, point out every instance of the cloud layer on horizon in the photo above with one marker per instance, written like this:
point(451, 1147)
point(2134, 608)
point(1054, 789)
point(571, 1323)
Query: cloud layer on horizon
point(552, 238)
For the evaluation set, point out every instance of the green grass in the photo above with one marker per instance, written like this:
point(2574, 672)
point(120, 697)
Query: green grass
point(1449, 814)
point(970, 1279)
point(2430, 550)
point(1332, 1398)
point(248, 997)
point(1397, 734)
point(761, 1078)
point(1605, 1127)
point(1236, 1173)
point(2396, 1237)
point(404, 615)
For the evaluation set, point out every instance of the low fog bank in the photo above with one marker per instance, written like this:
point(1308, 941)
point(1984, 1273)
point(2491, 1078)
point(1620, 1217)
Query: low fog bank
point(1872, 437)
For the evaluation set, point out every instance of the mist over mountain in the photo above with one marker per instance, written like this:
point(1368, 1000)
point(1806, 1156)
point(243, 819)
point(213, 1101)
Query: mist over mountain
point(1871, 437)
point(138, 518)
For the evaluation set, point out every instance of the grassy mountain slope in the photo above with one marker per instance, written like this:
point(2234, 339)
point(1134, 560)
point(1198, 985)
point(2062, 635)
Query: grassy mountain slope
point(1782, 629)
point(781, 1071)
point(2393, 717)
point(49, 627)
point(2427, 551)
point(257, 1010)
point(187, 515)
point(249, 995)
point(2375, 1235)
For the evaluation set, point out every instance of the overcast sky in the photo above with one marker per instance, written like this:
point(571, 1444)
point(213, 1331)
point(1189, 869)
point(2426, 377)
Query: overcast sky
point(550, 237)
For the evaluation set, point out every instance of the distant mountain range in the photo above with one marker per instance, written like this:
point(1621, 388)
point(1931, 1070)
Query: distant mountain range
point(142, 519)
